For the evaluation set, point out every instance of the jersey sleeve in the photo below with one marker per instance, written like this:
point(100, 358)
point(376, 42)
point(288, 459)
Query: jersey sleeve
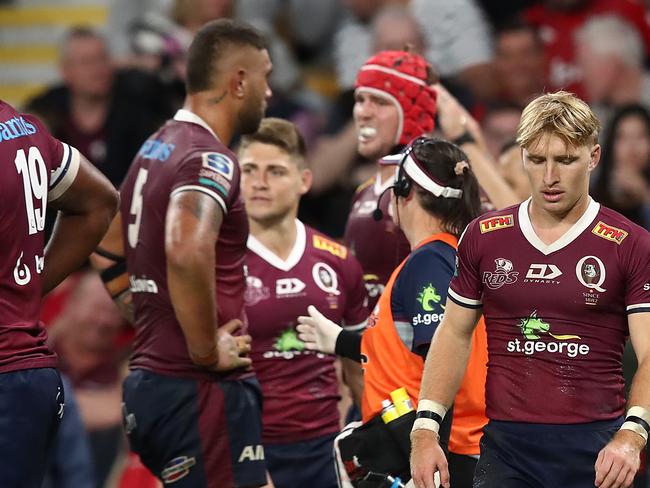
point(637, 294)
point(215, 174)
point(419, 296)
point(356, 304)
point(466, 288)
point(61, 159)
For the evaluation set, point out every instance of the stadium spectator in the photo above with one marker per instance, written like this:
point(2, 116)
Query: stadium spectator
point(610, 53)
point(518, 62)
point(623, 182)
point(561, 280)
point(184, 232)
point(41, 172)
point(499, 125)
point(435, 195)
point(456, 35)
point(291, 266)
point(106, 114)
point(557, 22)
point(512, 170)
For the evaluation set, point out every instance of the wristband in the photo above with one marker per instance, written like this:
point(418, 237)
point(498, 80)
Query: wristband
point(116, 278)
point(348, 345)
point(429, 416)
point(637, 420)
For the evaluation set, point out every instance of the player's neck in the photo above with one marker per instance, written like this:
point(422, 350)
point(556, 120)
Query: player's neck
point(278, 237)
point(385, 172)
point(550, 226)
point(217, 115)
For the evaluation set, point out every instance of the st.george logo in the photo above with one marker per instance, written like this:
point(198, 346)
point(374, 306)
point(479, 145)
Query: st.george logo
point(503, 274)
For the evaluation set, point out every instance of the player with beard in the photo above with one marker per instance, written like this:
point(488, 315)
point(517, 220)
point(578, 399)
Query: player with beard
point(562, 281)
point(291, 266)
point(191, 403)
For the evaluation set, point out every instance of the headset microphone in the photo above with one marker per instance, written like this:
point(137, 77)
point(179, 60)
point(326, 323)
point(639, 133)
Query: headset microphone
point(377, 213)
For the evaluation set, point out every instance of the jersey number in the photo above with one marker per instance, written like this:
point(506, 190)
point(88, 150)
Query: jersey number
point(34, 173)
point(136, 206)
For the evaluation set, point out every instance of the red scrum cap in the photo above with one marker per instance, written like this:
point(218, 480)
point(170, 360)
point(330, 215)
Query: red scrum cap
point(403, 78)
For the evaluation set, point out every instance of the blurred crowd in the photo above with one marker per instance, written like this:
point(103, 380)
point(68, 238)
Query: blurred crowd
point(119, 84)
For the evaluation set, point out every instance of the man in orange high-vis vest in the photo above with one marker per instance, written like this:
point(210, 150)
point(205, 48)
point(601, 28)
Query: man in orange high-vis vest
point(434, 197)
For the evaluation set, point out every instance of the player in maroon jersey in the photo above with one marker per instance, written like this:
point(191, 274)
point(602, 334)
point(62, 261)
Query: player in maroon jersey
point(38, 171)
point(192, 405)
point(561, 281)
point(291, 266)
point(394, 103)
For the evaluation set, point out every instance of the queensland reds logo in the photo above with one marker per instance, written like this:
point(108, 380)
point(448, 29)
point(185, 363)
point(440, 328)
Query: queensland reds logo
point(502, 275)
point(255, 291)
point(325, 278)
point(590, 272)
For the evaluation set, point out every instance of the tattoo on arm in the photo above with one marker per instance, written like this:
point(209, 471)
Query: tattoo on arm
point(198, 205)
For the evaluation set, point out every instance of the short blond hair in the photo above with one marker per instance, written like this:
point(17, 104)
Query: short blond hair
point(282, 134)
point(561, 114)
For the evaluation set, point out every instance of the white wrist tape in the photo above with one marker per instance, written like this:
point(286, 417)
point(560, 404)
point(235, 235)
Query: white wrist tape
point(427, 423)
point(634, 427)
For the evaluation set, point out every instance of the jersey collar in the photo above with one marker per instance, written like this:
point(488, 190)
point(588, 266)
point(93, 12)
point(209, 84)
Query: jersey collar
point(578, 228)
point(273, 259)
point(184, 115)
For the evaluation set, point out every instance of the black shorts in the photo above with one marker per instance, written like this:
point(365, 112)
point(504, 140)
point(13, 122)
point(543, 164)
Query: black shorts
point(196, 433)
point(31, 408)
point(518, 455)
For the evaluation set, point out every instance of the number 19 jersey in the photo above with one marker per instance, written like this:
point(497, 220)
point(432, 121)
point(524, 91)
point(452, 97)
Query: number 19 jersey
point(35, 168)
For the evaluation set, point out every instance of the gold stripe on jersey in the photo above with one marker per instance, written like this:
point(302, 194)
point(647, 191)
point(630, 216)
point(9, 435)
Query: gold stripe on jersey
point(330, 246)
point(609, 232)
point(365, 185)
point(496, 223)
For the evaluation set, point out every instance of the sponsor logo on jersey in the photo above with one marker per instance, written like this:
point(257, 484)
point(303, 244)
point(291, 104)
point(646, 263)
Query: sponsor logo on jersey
point(142, 285)
point(428, 299)
point(15, 127)
point(330, 246)
point(252, 453)
point(22, 275)
point(503, 274)
point(533, 328)
point(496, 223)
point(288, 286)
point(325, 278)
point(542, 273)
point(609, 232)
point(255, 291)
point(177, 468)
point(646, 287)
point(288, 341)
point(215, 178)
point(219, 163)
point(156, 150)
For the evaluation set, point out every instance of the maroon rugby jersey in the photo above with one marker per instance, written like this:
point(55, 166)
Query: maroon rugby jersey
point(184, 155)
point(379, 246)
point(35, 168)
point(300, 386)
point(556, 315)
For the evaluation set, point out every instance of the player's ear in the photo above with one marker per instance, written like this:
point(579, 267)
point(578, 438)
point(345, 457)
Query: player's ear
point(306, 177)
point(238, 83)
point(594, 157)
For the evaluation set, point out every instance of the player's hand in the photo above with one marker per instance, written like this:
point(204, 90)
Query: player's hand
point(317, 331)
point(427, 457)
point(230, 348)
point(619, 460)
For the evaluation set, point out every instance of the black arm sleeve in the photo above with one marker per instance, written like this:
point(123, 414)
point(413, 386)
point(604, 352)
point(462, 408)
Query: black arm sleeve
point(348, 345)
